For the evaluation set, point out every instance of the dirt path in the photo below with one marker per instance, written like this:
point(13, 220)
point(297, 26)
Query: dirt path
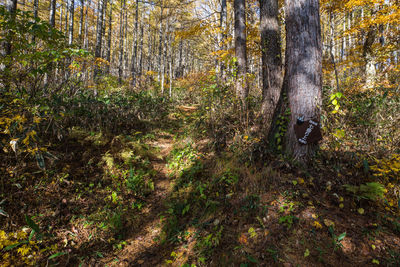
point(143, 241)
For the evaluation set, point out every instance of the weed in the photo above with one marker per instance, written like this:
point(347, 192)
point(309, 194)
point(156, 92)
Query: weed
point(336, 240)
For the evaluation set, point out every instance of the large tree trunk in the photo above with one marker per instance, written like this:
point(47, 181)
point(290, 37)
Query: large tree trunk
point(240, 51)
point(271, 60)
point(303, 70)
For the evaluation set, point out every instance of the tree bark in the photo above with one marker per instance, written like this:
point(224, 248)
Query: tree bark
point(303, 70)
point(108, 56)
point(271, 60)
point(81, 23)
point(135, 48)
point(121, 41)
point(99, 34)
point(240, 51)
point(66, 17)
point(52, 19)
point(222, 24)
point(35, 8)
point(71, 22)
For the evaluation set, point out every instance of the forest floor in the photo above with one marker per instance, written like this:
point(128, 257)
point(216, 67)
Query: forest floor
point(161, 197)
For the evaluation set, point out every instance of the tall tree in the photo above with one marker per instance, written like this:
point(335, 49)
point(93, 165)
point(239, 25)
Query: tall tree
point(271, 59)
point(121, 41)
point(71, 22)
point(81, 23)
point(52, 19)
point(35, 8)
point(222, 25)
point(303, 70)
point(135, 48)
point(108, 54)
point(99, 32)
point(242, 90)
point(6, 49)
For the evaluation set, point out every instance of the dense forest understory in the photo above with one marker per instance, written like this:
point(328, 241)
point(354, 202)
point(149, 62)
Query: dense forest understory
point(165, 133)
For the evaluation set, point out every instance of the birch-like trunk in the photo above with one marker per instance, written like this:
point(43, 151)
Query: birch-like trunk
point(71, 22)
point(52, 17)
point(242, 90)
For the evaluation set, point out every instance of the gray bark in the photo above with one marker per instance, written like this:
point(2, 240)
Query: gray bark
point(303, 70)
point(108, 55)
point(135, 48)
point(240, 51)
point(71, 22)
point(81, 23)
point(121, 41)
point(271, 60)
point(99, 33)
point(52, 19)
point(66, 17)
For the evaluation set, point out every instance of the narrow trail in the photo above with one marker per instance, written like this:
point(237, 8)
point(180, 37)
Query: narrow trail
point(143, 240)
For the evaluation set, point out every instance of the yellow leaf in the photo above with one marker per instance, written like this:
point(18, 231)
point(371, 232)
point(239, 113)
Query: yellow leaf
point(328, 222)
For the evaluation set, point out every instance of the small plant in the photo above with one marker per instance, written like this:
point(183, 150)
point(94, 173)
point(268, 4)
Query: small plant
point(287, 220)
point(336, 240)
point(370, 191)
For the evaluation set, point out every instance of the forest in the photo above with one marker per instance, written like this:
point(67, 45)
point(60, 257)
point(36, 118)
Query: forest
point(199, 133)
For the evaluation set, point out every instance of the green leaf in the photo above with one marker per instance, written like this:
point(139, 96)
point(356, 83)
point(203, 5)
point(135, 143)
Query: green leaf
point(341, 236)
point(10, 247)
point(306, 253)
point(251, 259)
point(32, 224)
point(57, 255)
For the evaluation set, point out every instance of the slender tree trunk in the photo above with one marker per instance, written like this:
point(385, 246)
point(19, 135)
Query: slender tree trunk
point(303, 70)
point(35, 8)
point(35, 14)
point(81, 23)
point(86, 30)
point(164, 58)
point(126, 54)
point(121, 41)
point(108, 56)
point(52, 19)
point(222, 24)
point(135, 48)
point(160, 48)
point(332, 56)
point(140, 70)
point(71, 22)
point(240, 51)
point(67, 8)
point(271, 60)
point(99, 34)
point(369, 58)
